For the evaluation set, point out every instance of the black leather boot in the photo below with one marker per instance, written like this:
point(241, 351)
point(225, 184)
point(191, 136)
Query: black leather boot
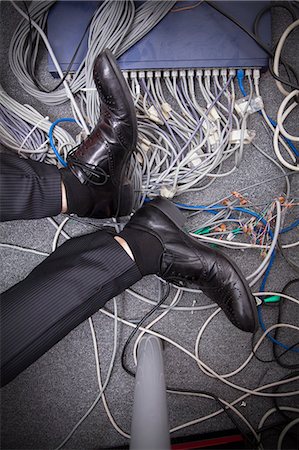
point(101, 161)
point(188, 261)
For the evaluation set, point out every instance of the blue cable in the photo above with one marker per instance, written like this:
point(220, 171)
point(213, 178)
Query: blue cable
point(272, 258)
point(290, 227)
point(240, 78)
point(66, 119)
point(259, 311)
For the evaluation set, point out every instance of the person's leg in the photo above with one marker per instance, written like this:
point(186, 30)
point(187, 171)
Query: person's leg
point(95, 183)
point(28, 189)
point(85, 272)
point(65, 289)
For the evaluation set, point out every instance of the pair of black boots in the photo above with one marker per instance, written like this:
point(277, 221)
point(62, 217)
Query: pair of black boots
point(101, 189)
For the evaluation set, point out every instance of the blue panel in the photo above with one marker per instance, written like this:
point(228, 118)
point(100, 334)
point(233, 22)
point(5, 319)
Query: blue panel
point(199, 37)
point(66, 24)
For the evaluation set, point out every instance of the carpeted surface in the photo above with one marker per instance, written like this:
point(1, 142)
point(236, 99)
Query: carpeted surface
point(41, 406)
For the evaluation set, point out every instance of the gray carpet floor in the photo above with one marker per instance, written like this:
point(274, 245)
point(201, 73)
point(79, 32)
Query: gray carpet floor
point(41, 406)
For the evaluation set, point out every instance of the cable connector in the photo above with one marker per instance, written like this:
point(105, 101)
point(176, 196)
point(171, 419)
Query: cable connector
point(215, 72)
point(235, 136)
point(248, 72)
point(174, 73)
point(133, 74)
point(182, 73)
point(232, 72)
point(256, 104)
point(166, 109)
point(199, 73)
point(166, 73)
point(141, 74)
point(167, 192)
point(190, 73)
point(154, 116)
point(207, 73)
point(157, 73)
point(125, 74)
point(149, 74)
point(256, 75)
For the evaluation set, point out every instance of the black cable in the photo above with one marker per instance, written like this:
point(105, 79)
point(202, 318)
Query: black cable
point(70, 65)
point(288, 260)
point(224, 408)
point(275, 399)
point(277, 356)
point(285, 5)
point(123, 355)
point(259, 42)
point(173, 390)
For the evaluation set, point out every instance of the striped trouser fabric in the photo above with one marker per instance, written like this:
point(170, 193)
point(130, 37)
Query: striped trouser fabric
point(28, 189)
point(67, 287)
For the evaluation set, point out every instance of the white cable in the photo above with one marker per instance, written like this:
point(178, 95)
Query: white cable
point(58, 68)
point(24, 249)
point(109, 372)
point(187, 352)
point(281, 115)
point(278, 52)
point(274, 410)
point(57, 234)
point(285, 430)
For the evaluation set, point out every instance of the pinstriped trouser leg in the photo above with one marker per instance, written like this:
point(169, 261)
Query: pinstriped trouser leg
point(28, 189)
point(65, 289)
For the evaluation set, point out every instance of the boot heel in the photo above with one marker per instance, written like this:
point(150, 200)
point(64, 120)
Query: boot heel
point(170, 210)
